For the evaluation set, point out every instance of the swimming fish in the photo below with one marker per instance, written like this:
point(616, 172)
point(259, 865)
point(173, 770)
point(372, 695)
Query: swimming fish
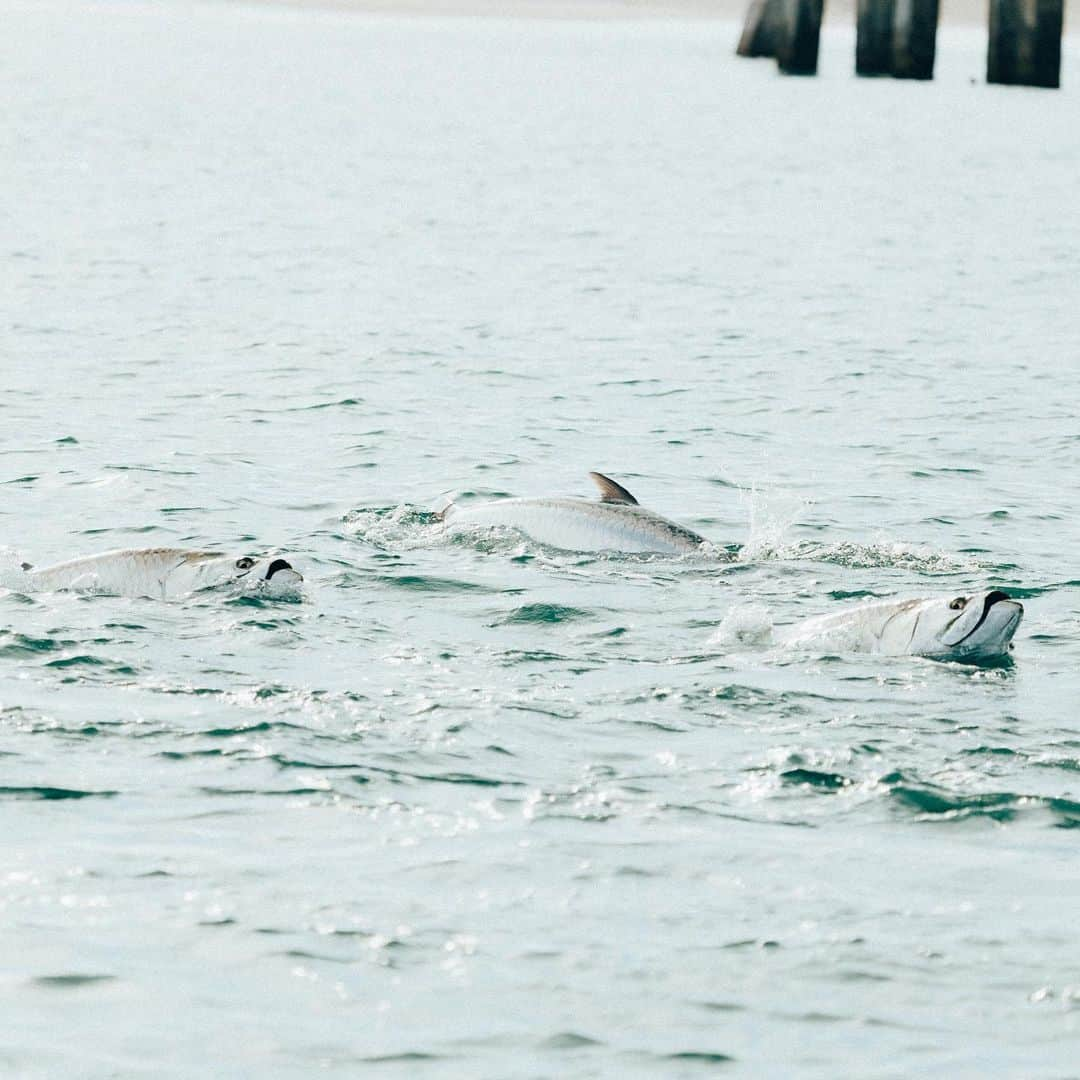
point(979, 626)
point(614, 522)
point(159, 572)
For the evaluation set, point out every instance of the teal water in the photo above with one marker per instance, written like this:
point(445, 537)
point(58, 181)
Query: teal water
point(282, 280)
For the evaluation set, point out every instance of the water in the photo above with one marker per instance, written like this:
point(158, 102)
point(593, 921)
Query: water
point(284, 280)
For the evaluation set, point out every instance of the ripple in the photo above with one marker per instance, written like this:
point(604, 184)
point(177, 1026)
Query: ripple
point(424, 584)
point(19, 645)
point(512, 657)
point(567, 1040)
point(819, 781)
point(931, 802)
point(406, 1057)
point(45, 792)
point(85, 660)
point(210, 790)
point(543, 613)
point(70, 981)
point(704, 1057)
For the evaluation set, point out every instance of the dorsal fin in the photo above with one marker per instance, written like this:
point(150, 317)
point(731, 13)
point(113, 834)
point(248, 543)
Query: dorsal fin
point(26, 566)
point(610, 491)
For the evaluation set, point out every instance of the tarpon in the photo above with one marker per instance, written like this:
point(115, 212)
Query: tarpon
point(979, 626)
point(614, 522)
point(160, 572)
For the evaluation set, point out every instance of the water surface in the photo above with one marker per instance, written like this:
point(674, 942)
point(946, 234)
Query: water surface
point(284, 280)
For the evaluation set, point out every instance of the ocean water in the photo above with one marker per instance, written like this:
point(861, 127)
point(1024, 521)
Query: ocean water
point(282, 280)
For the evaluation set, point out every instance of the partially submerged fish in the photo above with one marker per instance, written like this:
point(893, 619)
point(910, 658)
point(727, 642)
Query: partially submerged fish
point(159, 572)
point(980, 626)
point(614, 522)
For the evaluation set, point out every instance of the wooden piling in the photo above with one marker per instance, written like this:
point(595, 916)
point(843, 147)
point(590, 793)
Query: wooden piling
point(1025, 42)
point(761, 30)
point(914, 39)
point(896, 37)
point(800, 35)
point(873, 36)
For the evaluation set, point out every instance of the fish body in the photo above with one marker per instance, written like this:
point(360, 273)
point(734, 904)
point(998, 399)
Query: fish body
point(978, 627)
point(164, 573)
point(615, 522)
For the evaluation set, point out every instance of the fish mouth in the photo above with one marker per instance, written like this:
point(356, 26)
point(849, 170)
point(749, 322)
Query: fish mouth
point(280, 565)
point(989, 601)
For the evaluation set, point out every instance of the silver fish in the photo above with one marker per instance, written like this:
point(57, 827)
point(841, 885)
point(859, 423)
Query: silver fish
point(979, 626)
point(164, 573)
point(615, 522)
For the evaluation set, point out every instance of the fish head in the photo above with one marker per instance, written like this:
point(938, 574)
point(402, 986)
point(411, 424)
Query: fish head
point(976, 625)
point(267, 570)
point(209, 570)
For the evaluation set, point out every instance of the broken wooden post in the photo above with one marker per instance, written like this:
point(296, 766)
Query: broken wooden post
point(914, 38)
point(799, 37)
point(873, 36)
point(761, 29)
point(1025, 42)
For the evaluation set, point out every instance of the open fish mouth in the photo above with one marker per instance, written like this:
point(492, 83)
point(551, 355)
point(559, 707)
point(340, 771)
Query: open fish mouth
point(283, 573)
point(1006, 614)
point(280, 577)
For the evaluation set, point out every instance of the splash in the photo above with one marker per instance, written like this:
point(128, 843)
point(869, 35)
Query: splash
point(744, 624)
point(885, 554)
point(771, 515)
point(402, 527)
point(13, 575)
point(260, 593)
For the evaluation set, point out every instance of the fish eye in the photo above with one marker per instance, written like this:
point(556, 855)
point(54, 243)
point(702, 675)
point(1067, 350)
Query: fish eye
point(958, 604)
point(245, 563)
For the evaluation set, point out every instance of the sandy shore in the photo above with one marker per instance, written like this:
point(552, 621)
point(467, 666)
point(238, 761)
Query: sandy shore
point(955, 12)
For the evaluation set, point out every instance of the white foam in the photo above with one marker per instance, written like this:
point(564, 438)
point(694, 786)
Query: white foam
point(744, 624)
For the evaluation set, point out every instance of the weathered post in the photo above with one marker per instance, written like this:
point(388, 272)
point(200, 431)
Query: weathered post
point(761, 29)
point(1025, 42)
point(800, 35)
point(914, 38)
point(873, 36)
